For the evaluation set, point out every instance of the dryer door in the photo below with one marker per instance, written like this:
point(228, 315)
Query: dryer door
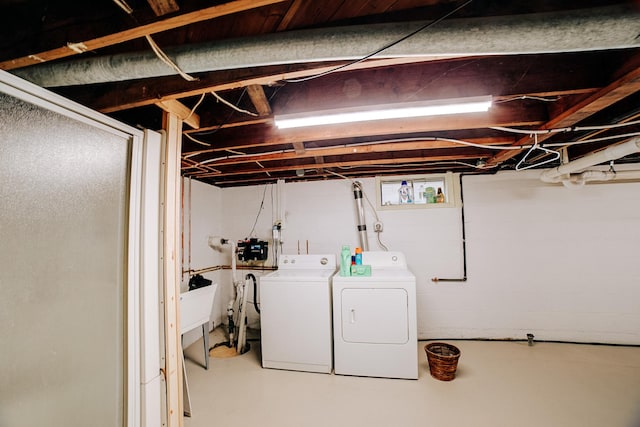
point(375, 315)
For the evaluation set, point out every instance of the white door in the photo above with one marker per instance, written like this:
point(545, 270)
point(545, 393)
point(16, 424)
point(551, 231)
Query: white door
point(69, 263)
point(375, 315)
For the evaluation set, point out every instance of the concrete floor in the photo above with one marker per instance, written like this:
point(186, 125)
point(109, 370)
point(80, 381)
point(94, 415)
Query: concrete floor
point(497, 384)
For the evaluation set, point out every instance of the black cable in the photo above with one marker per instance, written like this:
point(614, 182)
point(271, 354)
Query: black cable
point(259, 211)
point(464, 243)
point(382, 49)
point(255, 291)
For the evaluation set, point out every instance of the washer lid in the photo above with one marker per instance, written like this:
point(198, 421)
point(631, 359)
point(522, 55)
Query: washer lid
point(300, 274)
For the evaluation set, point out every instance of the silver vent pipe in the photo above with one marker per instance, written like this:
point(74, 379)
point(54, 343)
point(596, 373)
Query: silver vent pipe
point(362, 224)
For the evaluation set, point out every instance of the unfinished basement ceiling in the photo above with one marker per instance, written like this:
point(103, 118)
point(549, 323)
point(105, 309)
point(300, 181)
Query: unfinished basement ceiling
point(547, 65)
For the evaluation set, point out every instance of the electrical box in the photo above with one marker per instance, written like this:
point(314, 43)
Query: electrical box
point(252, 250)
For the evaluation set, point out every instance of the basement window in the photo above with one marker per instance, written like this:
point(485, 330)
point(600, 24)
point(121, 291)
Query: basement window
point(432, 191)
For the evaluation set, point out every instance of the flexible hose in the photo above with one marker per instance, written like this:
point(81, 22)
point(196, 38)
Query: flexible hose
point(255, 291)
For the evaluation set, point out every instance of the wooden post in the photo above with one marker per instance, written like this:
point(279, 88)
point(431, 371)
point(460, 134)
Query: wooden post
point(172, 269)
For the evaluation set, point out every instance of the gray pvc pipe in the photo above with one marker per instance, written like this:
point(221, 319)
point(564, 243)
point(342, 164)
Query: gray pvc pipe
point(581, 30)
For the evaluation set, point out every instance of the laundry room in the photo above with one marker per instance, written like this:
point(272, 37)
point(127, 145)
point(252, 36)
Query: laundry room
point(538, 262)
point(539, 258)
point(320, 213)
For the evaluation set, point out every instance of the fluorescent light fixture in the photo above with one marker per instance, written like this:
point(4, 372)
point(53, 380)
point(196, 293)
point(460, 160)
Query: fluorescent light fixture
point(384, 112)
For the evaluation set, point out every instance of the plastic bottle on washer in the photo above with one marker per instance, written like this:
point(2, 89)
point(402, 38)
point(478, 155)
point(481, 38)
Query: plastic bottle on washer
point(358, 256)
point(345, 261)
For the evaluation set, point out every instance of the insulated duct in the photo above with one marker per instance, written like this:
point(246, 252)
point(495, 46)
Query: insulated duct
point(567, 173)
point(571, 31)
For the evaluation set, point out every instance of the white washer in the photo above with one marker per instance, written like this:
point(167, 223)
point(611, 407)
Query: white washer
point(374, 319)
point(295, 314)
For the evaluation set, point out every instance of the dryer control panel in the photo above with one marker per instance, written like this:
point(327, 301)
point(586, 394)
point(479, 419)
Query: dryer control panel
point(381, 259)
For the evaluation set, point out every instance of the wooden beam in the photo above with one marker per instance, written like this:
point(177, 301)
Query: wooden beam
point(298, 147)
point(502, 77)
point(172, 269)
point(259, 99)
point(500, 115)
point(120, 96)
point(589, 105)
point(162, 7)
point(404, 160)
point(181, 111)
point(250, 122)
point(384, 147)
point(288, 17)
point(400, 81)
point(217, 11)
point(265, 120)
point(319, 160)
point(358, 171)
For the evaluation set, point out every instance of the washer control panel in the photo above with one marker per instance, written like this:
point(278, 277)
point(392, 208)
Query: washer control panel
point(321, 261)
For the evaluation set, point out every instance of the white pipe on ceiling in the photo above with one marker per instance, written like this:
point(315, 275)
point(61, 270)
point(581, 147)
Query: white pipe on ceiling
point(580, 179)
point(615, 27)
point(573, 174)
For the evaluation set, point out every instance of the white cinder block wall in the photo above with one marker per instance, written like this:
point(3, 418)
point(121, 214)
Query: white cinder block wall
point(561, 263)
point(541, 258)
point(203, 208)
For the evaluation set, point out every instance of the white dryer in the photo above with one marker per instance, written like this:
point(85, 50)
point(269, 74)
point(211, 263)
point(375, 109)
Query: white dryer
point(374, 319)
point(295, 314)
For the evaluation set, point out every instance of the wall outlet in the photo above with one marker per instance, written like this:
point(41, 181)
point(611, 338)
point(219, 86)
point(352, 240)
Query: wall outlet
point(377, 226)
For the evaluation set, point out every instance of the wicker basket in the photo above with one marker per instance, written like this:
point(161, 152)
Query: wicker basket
point(443, 360)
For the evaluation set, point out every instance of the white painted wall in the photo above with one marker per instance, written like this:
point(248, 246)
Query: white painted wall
point(202, 211)
point(541, 258)
point(244, 207)
point(559, 263)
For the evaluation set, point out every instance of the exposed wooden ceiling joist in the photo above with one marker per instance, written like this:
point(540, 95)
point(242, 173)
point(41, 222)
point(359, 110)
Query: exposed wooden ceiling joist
point(163, 7)
point(232, 124)
point(77, 47)
point(589, 105)
point(112, 97)
point(422, 77)
point(500, 115)
point(259, 100)
point(288, 17)
point(345, 150)
point(298, 147)
point(185, 114)
point(322, 174)
point(403, 160)
point(530, 91)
